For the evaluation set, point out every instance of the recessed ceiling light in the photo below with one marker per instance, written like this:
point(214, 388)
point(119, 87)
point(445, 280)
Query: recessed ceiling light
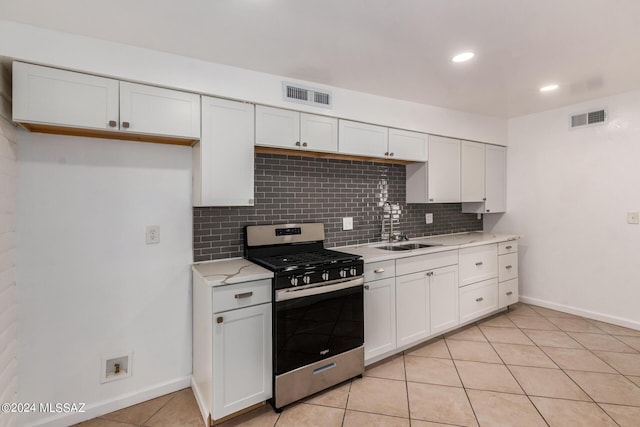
point(548, 88)
point(461, 57)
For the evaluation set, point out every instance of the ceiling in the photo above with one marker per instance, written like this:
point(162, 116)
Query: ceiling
point(395, 48)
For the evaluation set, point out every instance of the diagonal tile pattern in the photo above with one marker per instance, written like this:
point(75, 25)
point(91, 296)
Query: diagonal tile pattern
point(528, 366)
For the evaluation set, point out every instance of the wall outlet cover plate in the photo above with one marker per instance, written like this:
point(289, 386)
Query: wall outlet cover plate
point(347, 223)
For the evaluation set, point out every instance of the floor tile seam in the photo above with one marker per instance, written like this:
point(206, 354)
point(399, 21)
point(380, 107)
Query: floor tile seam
point(585, 391)
point(593, 354)
point(406, 387)
point(429, 357)
point(607, 414)
point(633, 350)
point(473, 411)
point(571, 338)
point(378, 413)
point(160, 408)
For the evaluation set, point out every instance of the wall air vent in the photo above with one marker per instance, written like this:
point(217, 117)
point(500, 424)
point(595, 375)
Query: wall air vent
point(590, 118)
point(306, 95)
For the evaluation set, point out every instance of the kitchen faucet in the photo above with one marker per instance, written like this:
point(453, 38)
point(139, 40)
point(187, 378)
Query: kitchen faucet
point(391, 216)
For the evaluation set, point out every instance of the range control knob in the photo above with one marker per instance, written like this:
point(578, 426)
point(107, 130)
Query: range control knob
point(343, 273)
point(294, 281)
point(325, 275)
point(306, 280)
point(353, 271)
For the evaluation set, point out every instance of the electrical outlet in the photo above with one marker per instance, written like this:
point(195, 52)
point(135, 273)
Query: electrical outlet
point(632, 218)
point(428, 218)
point(153, 234)
point(347, 223)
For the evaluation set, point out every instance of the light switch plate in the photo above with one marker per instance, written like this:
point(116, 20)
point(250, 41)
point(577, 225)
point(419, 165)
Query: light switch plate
point(632, 218)
point(347, 223)
point(428, 218)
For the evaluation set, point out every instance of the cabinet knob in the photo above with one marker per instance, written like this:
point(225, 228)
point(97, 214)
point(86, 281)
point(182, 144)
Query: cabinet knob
point(304, 144)
point(219, 319)
point(430, 273)
point(431, 200)
point(488, 210)
point(479, 299)
point(112, 123)
point(484, 199)
point(509, 293)
point(379, 270)
point(508, 267)
point(297, 143)
point(391, 154)
point(508, 247)
point(366, 287)
point(125, 125)
point(479, 263)
point(386, 154)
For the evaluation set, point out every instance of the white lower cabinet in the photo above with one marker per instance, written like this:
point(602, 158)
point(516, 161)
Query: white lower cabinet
point(507, 273)
point(507, 293)
point(478, 299)
point(443, 298)
point(379, 317)
point(241, 359)
point(412, 308)
point(232, 367)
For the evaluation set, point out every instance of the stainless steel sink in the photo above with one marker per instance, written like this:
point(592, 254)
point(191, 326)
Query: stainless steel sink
point(408, 246)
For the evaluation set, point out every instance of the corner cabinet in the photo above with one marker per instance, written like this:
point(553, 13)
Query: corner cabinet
point(58, 101)
point(280, 128)
point(231, 346)
point(437, 181)
point(223, 160)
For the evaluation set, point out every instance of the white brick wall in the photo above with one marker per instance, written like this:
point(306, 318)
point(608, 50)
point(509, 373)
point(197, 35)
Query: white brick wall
point(8, 174)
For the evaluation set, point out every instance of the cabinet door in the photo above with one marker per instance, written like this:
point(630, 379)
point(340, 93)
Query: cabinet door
point(241, 359)
point(159, 111)
point(496, 179)
point(223, 159)
point(406, 145)
point(443, 170)
point(443, 295)
point(379, 317)
point(362, 139)
point(318, 133)
point(57, 97)
point(276, 127)
point(412, 308)
point(472, 171)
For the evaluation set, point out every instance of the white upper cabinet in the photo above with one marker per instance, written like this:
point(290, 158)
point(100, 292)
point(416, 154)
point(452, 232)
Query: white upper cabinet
point(223, 160)
point(293, 130)
point(50, 96)
point(437, 181)
point(472, 171)
point(52, 100)
point(496, 179)
point(153, 110)
point(495, 183)
point(362, 139)
point(407, 145)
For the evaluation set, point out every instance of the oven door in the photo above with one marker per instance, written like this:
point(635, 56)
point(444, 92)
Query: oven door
point(316, 323)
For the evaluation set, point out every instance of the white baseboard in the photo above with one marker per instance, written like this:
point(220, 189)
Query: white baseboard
point(204, 412)
point(627, 323)
point(100, 408)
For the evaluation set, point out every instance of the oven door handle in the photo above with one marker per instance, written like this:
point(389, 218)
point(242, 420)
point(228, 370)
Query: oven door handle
point(292, 293)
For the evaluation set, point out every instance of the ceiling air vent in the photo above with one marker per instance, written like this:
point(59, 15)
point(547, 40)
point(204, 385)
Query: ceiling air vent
point(590, 118)
point(306, 95)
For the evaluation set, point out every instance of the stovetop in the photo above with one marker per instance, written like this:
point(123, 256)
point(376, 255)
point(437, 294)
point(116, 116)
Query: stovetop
point(292, 261)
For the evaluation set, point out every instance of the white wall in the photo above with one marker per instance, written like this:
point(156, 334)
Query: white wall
point(112, 59)
point(88, 285)
point(568, 193)
point(8, 173)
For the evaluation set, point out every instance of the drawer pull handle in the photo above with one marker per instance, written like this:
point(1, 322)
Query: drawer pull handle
point(304, 144)
point(366, 287)
point(479, 299)
point(297, 143)
point(508, 267)
point(479, 263)
point(509, 293)
point(379, 270)
point(126, 125)
point(244, 295)
point(508, 247)
point(112, 123)
point(219, 319)
point(430, 273)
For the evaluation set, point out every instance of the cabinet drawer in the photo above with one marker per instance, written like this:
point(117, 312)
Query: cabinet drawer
point(478, 299)
point(240, 295)
point(507, 293)
point(507, 247)
point(507, 267)
point(478, 263)
point(379, 270)
point(425, 262)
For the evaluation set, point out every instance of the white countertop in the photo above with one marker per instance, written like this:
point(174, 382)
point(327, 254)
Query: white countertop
point(230, 271)
point(370, 253)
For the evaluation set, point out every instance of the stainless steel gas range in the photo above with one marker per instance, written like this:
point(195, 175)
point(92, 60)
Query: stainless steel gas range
point(318, 313)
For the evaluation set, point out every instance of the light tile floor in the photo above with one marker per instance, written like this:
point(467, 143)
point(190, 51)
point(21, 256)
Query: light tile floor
point(529, 366)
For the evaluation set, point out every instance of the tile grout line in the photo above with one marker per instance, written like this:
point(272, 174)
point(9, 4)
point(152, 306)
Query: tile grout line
point(461, 382)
